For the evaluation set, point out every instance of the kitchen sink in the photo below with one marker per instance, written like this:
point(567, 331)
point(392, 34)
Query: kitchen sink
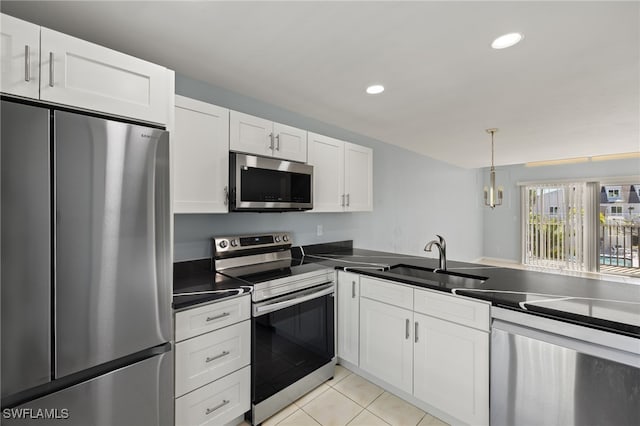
point(437, 274)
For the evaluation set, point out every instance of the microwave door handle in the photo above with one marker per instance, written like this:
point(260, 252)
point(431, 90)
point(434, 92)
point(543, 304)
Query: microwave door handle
point(266, 308)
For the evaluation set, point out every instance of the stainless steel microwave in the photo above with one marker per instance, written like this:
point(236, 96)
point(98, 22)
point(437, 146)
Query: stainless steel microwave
point(260, 184)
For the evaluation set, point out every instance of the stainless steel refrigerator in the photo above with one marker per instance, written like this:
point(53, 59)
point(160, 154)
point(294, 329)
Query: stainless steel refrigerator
point(86, 269)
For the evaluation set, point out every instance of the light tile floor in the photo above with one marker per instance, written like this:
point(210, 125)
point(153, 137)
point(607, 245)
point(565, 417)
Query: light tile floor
point(349, 399)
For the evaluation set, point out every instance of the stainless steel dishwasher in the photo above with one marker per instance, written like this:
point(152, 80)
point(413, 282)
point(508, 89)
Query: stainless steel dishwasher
point(548, 372)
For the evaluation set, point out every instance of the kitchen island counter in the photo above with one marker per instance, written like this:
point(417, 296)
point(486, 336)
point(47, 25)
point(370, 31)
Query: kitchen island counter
point(606, 305)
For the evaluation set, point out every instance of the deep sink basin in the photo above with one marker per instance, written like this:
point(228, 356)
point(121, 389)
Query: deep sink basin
point(431, 274)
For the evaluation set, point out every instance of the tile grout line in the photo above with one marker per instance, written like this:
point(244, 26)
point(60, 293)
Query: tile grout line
point(363, 406)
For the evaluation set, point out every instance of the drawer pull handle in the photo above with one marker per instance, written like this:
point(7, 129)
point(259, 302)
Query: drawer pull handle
point(213, 358)
point(222, 315)
point(277, 142)
point(27, 63)
point(406, 328)
point(348, 203)
point(353, 289)
point(271, 138)
point(217, 407)
point(51, 76)
point(415, 338)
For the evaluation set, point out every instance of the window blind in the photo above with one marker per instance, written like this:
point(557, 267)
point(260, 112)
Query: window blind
point(556, 225)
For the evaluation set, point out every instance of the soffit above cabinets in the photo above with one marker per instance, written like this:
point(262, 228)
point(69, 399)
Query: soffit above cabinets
point(569, 89)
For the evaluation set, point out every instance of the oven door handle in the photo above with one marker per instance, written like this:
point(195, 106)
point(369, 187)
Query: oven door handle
point(268, 307)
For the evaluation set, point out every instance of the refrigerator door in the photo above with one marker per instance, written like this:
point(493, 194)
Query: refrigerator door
point(137, 395)
point(113, 265)
point(25, 279)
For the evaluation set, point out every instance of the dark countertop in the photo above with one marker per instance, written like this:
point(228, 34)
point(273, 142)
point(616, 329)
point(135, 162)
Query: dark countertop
point(194, 283)
point(606, 305)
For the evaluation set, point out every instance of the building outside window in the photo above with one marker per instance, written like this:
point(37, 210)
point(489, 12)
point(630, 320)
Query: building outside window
point(568, 226)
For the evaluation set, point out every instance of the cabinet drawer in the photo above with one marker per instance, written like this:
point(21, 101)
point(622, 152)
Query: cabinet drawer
point(210, 356)
point(453, 308)
point(196, 321)
point(386, 292)
point(216, 403)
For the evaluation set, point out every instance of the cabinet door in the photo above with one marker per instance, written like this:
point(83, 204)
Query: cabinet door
point(20, 57)
point(451, 368)
point(250, 134)
point(348, 316)
point(290, 143)
point(326, 155)
point(386, 343)
point(358, 177)
point(85, 75)
point(200, 157)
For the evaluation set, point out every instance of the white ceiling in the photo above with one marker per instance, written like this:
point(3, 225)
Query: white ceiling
point(570, 89)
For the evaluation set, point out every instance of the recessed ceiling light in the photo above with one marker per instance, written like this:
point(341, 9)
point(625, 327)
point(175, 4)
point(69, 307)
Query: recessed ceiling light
point(507, 40)
point(375, 89)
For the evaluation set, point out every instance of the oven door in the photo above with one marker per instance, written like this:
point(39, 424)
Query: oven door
point(266, 184)
point(293, 336)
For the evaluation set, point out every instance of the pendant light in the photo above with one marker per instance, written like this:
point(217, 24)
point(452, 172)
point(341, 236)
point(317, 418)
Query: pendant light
point(492, 194)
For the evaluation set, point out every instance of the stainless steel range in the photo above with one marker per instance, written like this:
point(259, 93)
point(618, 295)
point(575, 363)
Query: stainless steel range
point(293, 337)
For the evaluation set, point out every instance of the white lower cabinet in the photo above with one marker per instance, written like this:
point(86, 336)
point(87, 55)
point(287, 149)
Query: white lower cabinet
point(451, 368)
point(348, 316)
point(216, 403)
point(386, 343)
point(212, 363)
point(205, 358)
point(432, 345)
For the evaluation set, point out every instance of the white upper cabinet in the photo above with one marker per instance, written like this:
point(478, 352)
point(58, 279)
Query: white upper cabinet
point(200, 146)
point(358, 177)
point(255, 135)
point(343, 175)
point(290, 143)
point(76, 72)
point(326, 155)
point(20, 57)
point(250, 134)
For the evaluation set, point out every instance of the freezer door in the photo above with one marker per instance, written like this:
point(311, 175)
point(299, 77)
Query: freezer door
point(137, 395)
point(113, 264)
point(25, 272)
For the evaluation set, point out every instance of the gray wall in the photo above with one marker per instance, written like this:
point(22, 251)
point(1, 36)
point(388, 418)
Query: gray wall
point(415, 197)
point(501, 236)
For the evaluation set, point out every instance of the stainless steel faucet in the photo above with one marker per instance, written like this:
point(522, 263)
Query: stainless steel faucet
point(442, 248)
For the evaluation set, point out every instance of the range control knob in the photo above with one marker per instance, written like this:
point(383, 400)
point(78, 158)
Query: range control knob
point(223, 244)
point(277, 239)
point(234, 243)
point(285, 238)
